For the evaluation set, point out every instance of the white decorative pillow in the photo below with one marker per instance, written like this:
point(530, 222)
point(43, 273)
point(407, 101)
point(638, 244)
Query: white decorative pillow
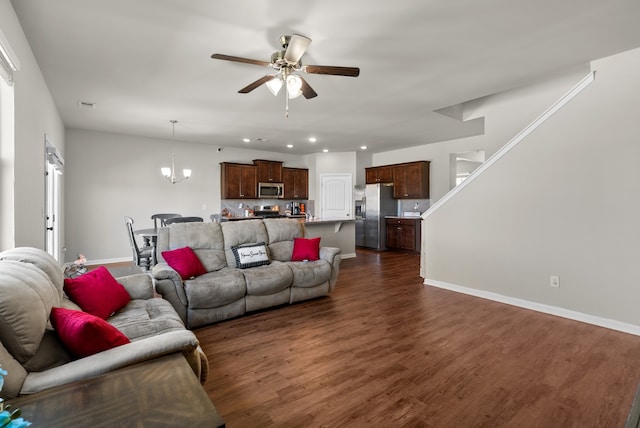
point(250, 255)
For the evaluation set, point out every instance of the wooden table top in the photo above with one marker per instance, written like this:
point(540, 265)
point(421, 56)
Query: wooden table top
point(163, 392)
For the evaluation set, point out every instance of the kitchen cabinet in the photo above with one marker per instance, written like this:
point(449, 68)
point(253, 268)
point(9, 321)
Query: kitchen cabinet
point(238, 181)
point(411, 180)
point(296, 183)
point(379, 174)
point(403, 233)
point(269, 171)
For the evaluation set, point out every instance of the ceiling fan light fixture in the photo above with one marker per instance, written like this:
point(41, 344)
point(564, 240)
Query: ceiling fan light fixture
point(294, 86)
point(274, 85)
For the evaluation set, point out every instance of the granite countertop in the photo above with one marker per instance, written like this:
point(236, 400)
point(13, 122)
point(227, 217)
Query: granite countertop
point(327, 220)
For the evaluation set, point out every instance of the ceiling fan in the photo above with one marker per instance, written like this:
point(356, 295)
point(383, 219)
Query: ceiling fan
point(287, 65)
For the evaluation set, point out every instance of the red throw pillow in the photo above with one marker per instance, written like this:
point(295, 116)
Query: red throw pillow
point(97, 292)
point(185, 262)
point(305, 249)
point(84, 334)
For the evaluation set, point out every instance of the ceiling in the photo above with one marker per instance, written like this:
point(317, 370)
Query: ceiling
point(146, 62)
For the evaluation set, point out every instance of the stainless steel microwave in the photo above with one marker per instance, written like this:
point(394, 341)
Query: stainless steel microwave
point(271, 190)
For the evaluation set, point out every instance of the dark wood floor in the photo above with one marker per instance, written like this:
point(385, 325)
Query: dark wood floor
point(384, 350)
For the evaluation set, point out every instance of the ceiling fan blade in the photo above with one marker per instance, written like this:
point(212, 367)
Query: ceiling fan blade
point(297, 46)
point(240, 59)
point(306, 89)
point(250, 87)
point(332, 70)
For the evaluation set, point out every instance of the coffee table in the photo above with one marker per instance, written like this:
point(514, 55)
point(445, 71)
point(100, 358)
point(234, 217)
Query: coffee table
point(162, 392)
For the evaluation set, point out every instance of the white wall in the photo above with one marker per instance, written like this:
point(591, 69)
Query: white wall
point(506, 120)
point(35, 116)
point(563, 202)
point(109, 176)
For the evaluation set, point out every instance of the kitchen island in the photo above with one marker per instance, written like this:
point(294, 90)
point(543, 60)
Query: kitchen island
point(334, 232)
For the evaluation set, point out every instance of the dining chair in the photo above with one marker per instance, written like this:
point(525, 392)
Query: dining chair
point(142, 256)
point(215, 218)
point(159, 219)
point(183, 220)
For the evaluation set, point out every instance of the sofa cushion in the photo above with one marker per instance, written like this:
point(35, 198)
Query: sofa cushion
point(185, 262)
point(305, 249)
point(51, 353)
point(146, 318)
point(238, 233)
point(85, 334)
point(281, 233)
point(26, 297)
point(251, 255)
point(265, 280)
point(97, 292)
point(215, 289)
point(310, 274)
point(205, 239)
point(43, 260)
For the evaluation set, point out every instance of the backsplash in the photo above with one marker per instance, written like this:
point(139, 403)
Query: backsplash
point(236, 206)
point(412, 205)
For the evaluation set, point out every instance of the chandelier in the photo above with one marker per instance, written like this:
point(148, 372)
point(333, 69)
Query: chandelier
point(170, 173)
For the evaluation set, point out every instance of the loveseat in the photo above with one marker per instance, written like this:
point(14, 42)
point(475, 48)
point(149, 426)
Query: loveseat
point(32, 352)
point(226, 288)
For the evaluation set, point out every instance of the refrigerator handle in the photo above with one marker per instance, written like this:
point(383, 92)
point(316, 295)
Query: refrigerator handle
point(363, 213)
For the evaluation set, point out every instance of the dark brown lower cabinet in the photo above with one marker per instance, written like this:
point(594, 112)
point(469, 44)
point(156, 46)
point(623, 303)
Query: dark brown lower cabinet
point(403, 234)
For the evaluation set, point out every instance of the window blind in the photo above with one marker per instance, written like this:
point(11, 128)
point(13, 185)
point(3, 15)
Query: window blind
point(8, 62)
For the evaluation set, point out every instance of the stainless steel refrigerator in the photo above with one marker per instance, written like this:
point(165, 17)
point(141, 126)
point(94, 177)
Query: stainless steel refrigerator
point(375, 202)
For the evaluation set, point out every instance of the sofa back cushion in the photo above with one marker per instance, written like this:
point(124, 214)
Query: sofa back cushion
point(43, 260)
point(282, 232)
point(205, 239)
point(26, 298)
point(237, 233)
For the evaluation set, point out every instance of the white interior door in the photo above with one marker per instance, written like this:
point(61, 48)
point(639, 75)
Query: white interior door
point(53, 179)
point(336, 196)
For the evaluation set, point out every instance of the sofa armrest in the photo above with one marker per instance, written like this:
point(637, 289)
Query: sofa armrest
point(139, 286)
point(170, 286)
point(332, 255)
point(135, 352)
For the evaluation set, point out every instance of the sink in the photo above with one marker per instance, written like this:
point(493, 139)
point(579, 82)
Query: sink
point(411, 214)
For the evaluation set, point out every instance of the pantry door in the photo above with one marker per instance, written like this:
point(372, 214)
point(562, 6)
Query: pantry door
point(336, 196)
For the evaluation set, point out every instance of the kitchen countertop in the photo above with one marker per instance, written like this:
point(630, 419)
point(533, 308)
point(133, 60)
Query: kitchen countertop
point(314, 220)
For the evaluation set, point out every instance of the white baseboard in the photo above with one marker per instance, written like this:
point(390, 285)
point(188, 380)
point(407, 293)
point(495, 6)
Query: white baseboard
point(348, 255)
point(539, 307)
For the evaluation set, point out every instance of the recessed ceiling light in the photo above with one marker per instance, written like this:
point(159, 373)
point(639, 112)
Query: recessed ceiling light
point(312, 139)
point(363, 147)
point(246, 140)
point(290, 146)
point(325, 150)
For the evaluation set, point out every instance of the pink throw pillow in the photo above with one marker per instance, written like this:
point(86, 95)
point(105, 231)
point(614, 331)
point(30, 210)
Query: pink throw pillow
point(84, 334)
point(97, 292)
point(185, 262)
point(305, 249)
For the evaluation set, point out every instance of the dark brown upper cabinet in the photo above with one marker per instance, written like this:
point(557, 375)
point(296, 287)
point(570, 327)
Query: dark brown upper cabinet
point(269, 171)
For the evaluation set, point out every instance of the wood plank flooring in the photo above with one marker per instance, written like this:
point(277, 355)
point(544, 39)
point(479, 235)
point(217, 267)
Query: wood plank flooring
point(385, 351)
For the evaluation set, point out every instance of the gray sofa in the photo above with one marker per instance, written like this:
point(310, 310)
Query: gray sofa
point(31, 284)
point(227, 291)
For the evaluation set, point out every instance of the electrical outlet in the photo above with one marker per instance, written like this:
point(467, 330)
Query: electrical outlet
point(554, 281)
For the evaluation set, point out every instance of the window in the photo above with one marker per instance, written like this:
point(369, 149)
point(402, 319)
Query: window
point(8, 65)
